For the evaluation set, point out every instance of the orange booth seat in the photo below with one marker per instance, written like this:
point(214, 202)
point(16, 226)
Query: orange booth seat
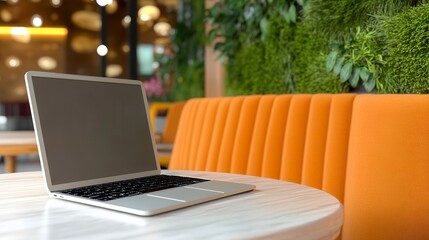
point(369, 151)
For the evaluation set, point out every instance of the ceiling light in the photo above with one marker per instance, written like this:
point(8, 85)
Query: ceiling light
point(13, 62)
point(20, 34)
point(126, 21)
point(56, 3)
point(102, 50)
point(114, 70)
point(162, 28)
point(47, 63)
point(36, 20)
point(103, 3)
point(148, 13)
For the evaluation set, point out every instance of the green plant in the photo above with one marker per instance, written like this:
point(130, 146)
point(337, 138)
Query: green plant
point(242, 21)
point(310, 74)
point(406, 44)
point(256, 38)
point(358, 60)
point(337, 19)
point(188, 46)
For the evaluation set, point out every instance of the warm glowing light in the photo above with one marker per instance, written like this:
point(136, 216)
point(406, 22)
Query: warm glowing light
point(103, 3)
point(47, 63)
point(5, 15)
point(162, 29)
point(102, 50)
point(20, 34)
point(126, 21)
point(113, 70)
point(56, 3)
point(13, 62)
point(148, 13)
point(112, 7)
point(19, 31)
point(33, 31)
point(36, 20)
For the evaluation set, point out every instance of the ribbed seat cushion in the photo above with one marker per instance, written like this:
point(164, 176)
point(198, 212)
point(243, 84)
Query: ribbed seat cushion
point(298, 138)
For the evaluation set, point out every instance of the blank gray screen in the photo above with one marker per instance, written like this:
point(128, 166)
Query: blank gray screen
point(93, 129)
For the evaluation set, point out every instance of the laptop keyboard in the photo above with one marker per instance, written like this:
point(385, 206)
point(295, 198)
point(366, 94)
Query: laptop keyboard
point(127, 188)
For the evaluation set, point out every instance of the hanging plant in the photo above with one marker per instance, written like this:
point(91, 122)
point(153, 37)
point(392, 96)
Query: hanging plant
point(358, 61)
point(240, 21)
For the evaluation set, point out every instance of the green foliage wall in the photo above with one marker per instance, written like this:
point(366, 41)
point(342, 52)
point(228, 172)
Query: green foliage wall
point(313, 46)
point(189, 43)
point(309, 68)
point(407, 47)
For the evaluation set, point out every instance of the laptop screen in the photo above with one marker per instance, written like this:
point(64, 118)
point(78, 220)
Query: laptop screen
point(93, 129)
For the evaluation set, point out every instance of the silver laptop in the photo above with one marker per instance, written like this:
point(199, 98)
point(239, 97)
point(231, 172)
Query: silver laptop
point(96, 147)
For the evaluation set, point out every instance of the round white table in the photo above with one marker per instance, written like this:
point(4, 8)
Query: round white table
point(274, 210)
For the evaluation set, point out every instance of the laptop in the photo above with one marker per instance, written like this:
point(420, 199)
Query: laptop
point(96, 147)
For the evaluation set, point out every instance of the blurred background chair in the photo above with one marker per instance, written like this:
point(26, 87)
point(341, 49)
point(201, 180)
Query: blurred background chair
point(165, 135)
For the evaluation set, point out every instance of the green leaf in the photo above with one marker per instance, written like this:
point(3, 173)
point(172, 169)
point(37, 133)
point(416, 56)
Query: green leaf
point(212, 34)
point(292, 13)
point(369, 84)
point(264, 29)
point(330, 60)
point(219, 46)
point(300, 2)
point(346, 72)
point(355, 77)
point(338, 66)
point(285, 15)
point(364, 74)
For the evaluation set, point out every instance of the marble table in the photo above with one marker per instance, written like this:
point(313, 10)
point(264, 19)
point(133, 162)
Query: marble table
point(13, 143)
point(274, 210)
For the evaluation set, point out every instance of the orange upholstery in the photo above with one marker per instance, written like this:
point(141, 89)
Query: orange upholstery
point(172, 122)
point(369, 151)
point(166, 138)
point(387, 186)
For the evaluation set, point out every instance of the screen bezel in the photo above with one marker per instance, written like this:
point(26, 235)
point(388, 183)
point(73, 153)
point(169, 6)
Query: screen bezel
point(39, 133)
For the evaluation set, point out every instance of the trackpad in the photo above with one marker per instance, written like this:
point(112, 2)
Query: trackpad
point(185, 194)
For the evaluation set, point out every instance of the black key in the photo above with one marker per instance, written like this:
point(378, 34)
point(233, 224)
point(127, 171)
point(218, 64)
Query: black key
point(115, 190)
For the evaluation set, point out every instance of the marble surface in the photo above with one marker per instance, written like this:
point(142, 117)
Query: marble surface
point(274, 210)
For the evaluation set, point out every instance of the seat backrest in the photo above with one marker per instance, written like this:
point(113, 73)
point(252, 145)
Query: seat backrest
point(172, 122)
point(298, 138)
point(173, 110)
point(369, 151)
point(387, 186)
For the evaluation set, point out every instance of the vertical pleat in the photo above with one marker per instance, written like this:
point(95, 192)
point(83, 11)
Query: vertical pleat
point(209, 112)
point(273, 145)
point(254, 166)
point(245, 129)
point(197, 128)
point(317, 130)
point(298, 138)
point(294, 139)
point(217, 135)
point(337, 143)
point(181, 148)
point(229, 133)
